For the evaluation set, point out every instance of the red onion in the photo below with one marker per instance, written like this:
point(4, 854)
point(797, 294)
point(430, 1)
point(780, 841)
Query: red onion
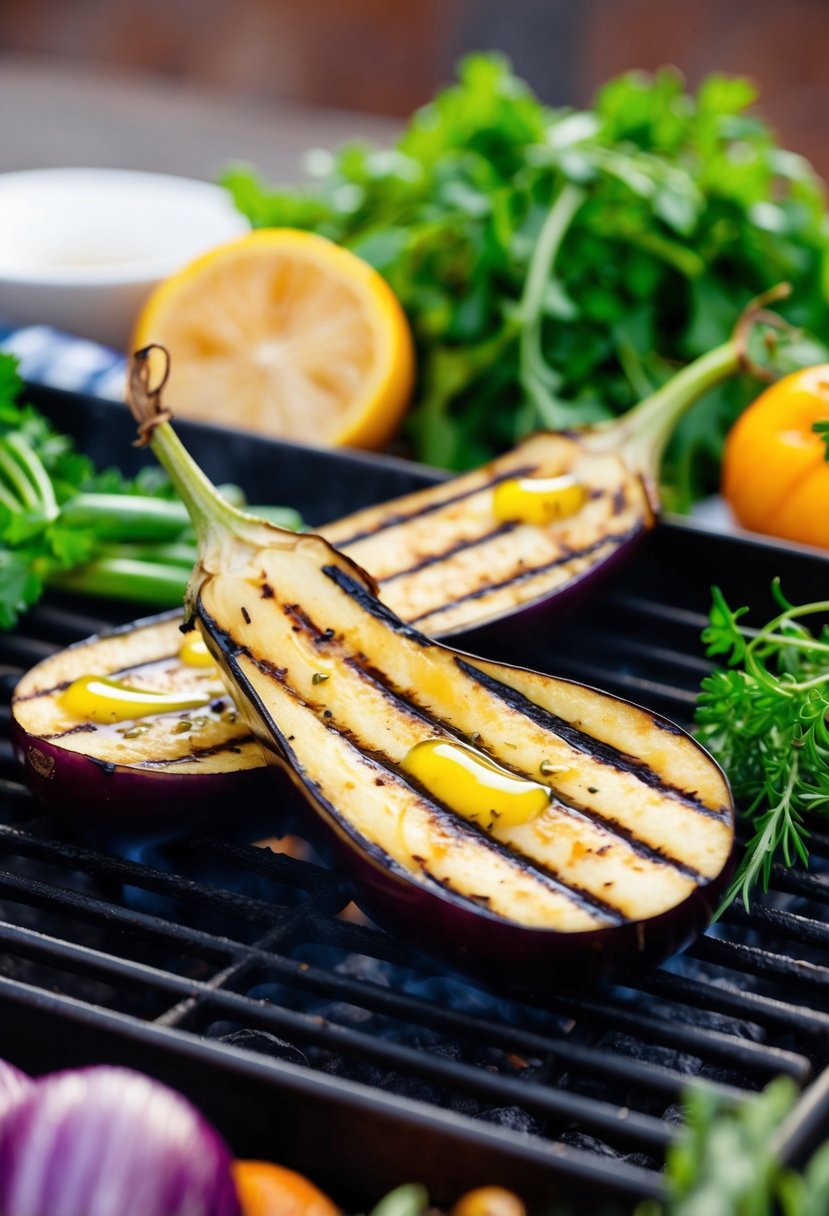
point(111, 1142)
point(14, 1086)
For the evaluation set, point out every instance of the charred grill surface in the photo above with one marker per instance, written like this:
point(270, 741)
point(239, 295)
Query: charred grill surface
point(235, 972)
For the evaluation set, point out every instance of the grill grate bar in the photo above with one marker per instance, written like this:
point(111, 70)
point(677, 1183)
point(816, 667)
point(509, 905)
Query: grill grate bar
point(752, 1006)
point(753, 959)
point(696, 1040)
point(23, 650)
point(796, 882)
point(644, 609)
point(362, 993)
point(638, 688)
point(790, 925)
point(600, 642)
point(596, 1172)
point(160, 882)
point(636, 1040)
point(603, 1116)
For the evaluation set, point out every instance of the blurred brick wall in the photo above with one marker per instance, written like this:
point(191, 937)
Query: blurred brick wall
point(387, 56)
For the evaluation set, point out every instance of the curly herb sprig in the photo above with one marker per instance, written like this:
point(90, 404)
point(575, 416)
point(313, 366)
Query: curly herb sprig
point(764, 718)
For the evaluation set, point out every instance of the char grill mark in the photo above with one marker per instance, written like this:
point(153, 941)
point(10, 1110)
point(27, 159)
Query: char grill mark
point(436, 558)
point(404, 705)
point(449, 820)
point(373, 606)
point(604, 753)
point(387, 522)
point(112, 673)
point(232, 746)
point(614, 541)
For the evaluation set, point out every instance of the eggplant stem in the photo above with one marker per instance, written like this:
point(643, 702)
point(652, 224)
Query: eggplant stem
point(226, 537)
point(643, 433)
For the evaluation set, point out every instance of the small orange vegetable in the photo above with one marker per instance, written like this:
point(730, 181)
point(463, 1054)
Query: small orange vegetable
point(272, 1190)
point(489, 1201)
point(775, 473)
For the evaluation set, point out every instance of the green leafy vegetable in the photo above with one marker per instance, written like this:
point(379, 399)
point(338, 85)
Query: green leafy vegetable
point(64, 524)
point(556, 265)
point(763, 716)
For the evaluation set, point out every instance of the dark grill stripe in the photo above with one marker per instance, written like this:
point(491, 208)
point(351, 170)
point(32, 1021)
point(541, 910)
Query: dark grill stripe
point(604, 753)
point(449, 818)
point(462, 546)
point(199, 753)
point(402, 517)
point(403, 704)
point(649, 852)
point(611, 828)
point(374, 607)
point(82, 728)
point(107, 675)
point(617, 539)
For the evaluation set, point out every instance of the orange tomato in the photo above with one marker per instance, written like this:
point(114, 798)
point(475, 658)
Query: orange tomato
point(775, 473)
point(489, 1201)
point(271, 1190)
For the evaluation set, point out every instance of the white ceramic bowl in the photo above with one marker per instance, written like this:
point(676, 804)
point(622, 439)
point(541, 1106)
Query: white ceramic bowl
point(81, 249)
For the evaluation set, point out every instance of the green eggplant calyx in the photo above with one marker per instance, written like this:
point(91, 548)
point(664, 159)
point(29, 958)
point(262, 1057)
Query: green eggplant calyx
point(643, 433)
point(228, 539)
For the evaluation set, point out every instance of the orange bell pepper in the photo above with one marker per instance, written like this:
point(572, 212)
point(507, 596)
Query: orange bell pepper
point(775, 473)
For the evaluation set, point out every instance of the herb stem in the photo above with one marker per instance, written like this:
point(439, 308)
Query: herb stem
point(538, 379)
point(38, 477)
point(13, 473)
point(125, 579)
point(127, 516)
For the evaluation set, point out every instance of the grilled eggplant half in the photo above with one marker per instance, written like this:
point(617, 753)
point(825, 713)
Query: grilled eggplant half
point(524, 827)
point(526, 535)
point(92, 751)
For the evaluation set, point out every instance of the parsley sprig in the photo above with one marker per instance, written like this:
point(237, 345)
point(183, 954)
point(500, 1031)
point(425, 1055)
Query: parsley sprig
point(556, 265)
point(65, 524)
point(763, 716)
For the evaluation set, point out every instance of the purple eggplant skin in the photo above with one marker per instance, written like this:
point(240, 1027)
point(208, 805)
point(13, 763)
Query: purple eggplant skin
point(87, 790)
point(83, 790)
point(450, 930)
point(512, 956)
point(538, 617)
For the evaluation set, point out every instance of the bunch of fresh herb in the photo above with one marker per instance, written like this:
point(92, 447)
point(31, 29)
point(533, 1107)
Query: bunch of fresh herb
point(725, 1164)
point(764, 718)
point(556, 265)
point(64, 524)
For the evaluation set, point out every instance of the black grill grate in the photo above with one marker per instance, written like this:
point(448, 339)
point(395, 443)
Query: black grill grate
point(240, 974)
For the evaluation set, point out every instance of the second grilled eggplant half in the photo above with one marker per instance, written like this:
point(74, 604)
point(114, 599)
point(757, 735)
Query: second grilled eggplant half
point(521, 826)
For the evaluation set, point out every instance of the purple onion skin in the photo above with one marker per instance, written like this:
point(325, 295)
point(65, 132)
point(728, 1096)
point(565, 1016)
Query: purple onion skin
point(88, 791)
point(111, 1142)
point(14, 1087)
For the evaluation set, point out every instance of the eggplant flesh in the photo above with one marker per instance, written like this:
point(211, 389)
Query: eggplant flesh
point(440, 561)
point(179, 762)
point(633, 848)
point(444, 562)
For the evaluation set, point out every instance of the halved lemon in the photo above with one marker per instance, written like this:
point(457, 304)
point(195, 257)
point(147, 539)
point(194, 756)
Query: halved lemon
point(285, 333)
